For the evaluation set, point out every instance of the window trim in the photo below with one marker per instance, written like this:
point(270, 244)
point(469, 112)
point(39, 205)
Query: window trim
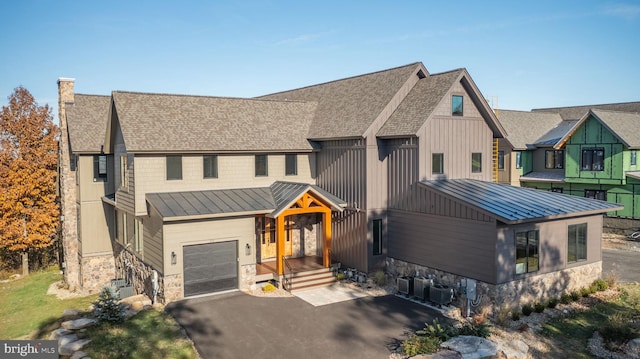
point(440, 171)
point(527, 256)
point(178, 171)
point(633, 161)
point(557, 157)
point(266, 165)
point(580, 255)
point(454, 110)
point(518, 159)
point(124, 171)
point(596, 193)
point(213, 166)
point(294, 158)
point(376, 234)
point(477, 169)
point(97, 175)
point(591, 166)
point(501, 160)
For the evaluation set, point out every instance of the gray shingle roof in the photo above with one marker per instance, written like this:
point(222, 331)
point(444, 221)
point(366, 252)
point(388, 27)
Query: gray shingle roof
point(87, 122)
point(416, 108)
point(576, 112)
point(526, 128)
point(623, 124)
point(347, 107)
point(178, 123)
point(518, 204)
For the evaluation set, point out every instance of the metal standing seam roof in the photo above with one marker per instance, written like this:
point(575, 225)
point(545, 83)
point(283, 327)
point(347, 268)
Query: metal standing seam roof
point(270, 201)
point(512, 205)
point(553, 137)
point(543, 176)
point(87, 122)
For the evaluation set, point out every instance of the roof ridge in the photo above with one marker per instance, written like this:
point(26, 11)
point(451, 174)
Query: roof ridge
point(207, 96)
point(591, 105)
point(92, 95)
point(447, 72)
point(614, 111)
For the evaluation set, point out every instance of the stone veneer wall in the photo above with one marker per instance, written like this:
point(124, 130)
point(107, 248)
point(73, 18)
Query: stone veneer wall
point(247, 278)
point(511, 295)
point(137, 273)
point(96, 272)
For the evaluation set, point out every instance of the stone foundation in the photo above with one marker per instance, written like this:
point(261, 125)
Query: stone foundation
point(505, 296)
point(247, 278)
point(172, 288)
point(96, 272)
point(137, 273)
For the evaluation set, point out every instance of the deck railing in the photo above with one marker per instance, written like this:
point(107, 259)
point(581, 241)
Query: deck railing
point(287, 281)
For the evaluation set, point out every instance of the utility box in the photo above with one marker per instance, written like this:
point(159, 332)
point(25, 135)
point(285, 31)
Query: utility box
point(471, 289)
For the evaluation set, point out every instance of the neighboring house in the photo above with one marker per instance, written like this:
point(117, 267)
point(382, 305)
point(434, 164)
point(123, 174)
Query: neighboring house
point(388, 170)
point(586, 151)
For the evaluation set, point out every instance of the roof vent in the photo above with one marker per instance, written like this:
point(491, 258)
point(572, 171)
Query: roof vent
point(421, 74)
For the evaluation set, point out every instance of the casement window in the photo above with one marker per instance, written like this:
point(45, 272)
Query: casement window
point(377, 237)
point(291, 164)
point(437, 163)
point(138, 233)
point(456, 105)
point(500, 160)
point(527, 251)
point(261, 165)
point(124, 171)
point(99, 168)
point(577, 243)
point(593, 159)
point(210, 166)
point(554, 159)
point(596, 194)
point(476, 162)
point(174, 167)
point(518, 160)
point(633, 158)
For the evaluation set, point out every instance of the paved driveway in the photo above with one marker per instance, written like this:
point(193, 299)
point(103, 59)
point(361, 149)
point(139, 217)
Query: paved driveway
point(237, 325)
point(625, 263)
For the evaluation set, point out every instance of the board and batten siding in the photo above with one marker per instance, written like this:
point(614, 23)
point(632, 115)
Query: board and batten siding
point(402, 159)
point(342, 172)
point(153, 241)
point(124, 196)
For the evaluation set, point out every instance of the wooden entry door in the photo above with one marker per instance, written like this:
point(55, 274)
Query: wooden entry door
point(268, 240)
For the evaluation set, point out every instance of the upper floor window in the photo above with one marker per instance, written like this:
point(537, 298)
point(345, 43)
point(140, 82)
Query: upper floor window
point(456, 105)
point(557, 189)
point(476, 162)
point(124, 171)
point(518, 159)
point(210, 166)
point(527, 251)
point(291, 164)
point(99, 168)
point(377, 237)
point(437, 163)
point(261, 165)
point(174, 167)
point(577, 243)
point(554, 159)
point(593, 159)
point(596, 194)
point(633, 158)
point(500, 160)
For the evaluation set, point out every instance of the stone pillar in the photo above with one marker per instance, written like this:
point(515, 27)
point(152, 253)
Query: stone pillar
point(67, 189)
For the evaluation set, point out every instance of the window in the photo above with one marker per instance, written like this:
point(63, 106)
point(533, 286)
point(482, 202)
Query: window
point(137, 245)
point(633, 158)
point(556, 189)
point(99, 168)
point(377, 237)
point(500, 160)
point(593, 159)
point(261, 166)
point(210, 166)
point(124, 169)
point(527, 252)
point(291, 164)
point(174, 167)
point(577, 243)
point(596, 194)
point(554, 159)
point(456, 105)
point(476, 162)
point(437, 163)
point(518, 160)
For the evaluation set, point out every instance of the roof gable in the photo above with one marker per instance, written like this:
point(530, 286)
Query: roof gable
point(623, 125)
point(526, 128)
point(87, 121)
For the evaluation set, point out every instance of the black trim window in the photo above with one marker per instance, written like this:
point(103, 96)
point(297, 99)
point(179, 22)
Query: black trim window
point(476, 162)
point(291, 164)
point(595, 194)
point(556, 189)
point(457, 105)
point(437, 163)
point(593, 159)
point(261, 165)
point(518, 159)
point(377, 237)
point(577, 243)
point(634, 159)
point(99, 168)
point(210, 166)
point(527, 251)
point(174, 167)
point(500, 160)
point(554, 159)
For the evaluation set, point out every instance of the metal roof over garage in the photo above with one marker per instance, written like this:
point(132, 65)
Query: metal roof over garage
point(512, 205)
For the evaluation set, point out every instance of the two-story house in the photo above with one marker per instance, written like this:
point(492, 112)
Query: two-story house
point(388, 170)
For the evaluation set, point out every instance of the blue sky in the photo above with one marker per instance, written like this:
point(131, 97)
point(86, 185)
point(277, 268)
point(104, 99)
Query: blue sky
point(521, 54)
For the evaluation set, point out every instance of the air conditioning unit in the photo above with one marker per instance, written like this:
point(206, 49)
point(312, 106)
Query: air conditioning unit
point(405, 286)
point(440, 294)
point(421, 288)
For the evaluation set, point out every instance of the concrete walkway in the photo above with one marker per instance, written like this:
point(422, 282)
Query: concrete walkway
point(328, 295)
point(238, 325)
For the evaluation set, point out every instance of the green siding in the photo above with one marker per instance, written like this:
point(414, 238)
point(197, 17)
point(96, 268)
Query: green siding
point(527, 161)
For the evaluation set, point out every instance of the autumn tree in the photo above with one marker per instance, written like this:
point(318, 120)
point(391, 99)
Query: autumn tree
point(29, 215)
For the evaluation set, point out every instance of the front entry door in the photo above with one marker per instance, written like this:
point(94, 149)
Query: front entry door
point(268, 241)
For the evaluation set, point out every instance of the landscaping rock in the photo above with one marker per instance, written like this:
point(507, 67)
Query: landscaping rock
point(443, 354)
point(633, 348)
point(471, 347)
point(66, 339)
point(79, 355)
point(515, 349)
point(78, 323)
point(71, 313)
point(137, 306)
point(59, 333)
point(70, 348)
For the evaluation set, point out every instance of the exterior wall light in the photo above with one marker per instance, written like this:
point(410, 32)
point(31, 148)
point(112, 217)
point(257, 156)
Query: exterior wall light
point(247, 249)
point(174, 258)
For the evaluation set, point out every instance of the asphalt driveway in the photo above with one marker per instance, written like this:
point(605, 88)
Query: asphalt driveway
point(625, 263)
point(238, 325)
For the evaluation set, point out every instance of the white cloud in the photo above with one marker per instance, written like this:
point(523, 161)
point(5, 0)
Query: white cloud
point(627, 11)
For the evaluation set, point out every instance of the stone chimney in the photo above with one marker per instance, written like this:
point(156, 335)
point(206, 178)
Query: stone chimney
point(68, 212)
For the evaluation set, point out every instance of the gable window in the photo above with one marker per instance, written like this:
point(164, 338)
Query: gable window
point(596, 194)
point(518, 160)
point(633, 158)
point(593, 159)
point(577, 243)
point(291, 164)
point(456, 105)
point(377, 237)
point(124, 169)
point(476, 162)
point(210, 166)
point(261, 165)
point(527, 251)
point(554, 159)
point(174, 167)
point(99, 168)
point(437, 163)
point(500, 160)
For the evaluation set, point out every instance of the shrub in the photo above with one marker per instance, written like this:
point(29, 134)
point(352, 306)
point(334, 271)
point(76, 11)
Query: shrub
point(552, 303)
point(600, 285)
point(437, 330)
point(107, 308)
point(575, 295)
point(584, 292)
point(341, 276)
point(379, 278)
point(565, 298)
point(539, 307)
point(611, 279)
point(515, 315)
point(527, 309)
point(617, 331)
point(476, 329)
point(269, 287)
point(417, 344)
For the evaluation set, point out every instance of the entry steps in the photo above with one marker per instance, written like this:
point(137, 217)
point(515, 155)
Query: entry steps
point(312, 279)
